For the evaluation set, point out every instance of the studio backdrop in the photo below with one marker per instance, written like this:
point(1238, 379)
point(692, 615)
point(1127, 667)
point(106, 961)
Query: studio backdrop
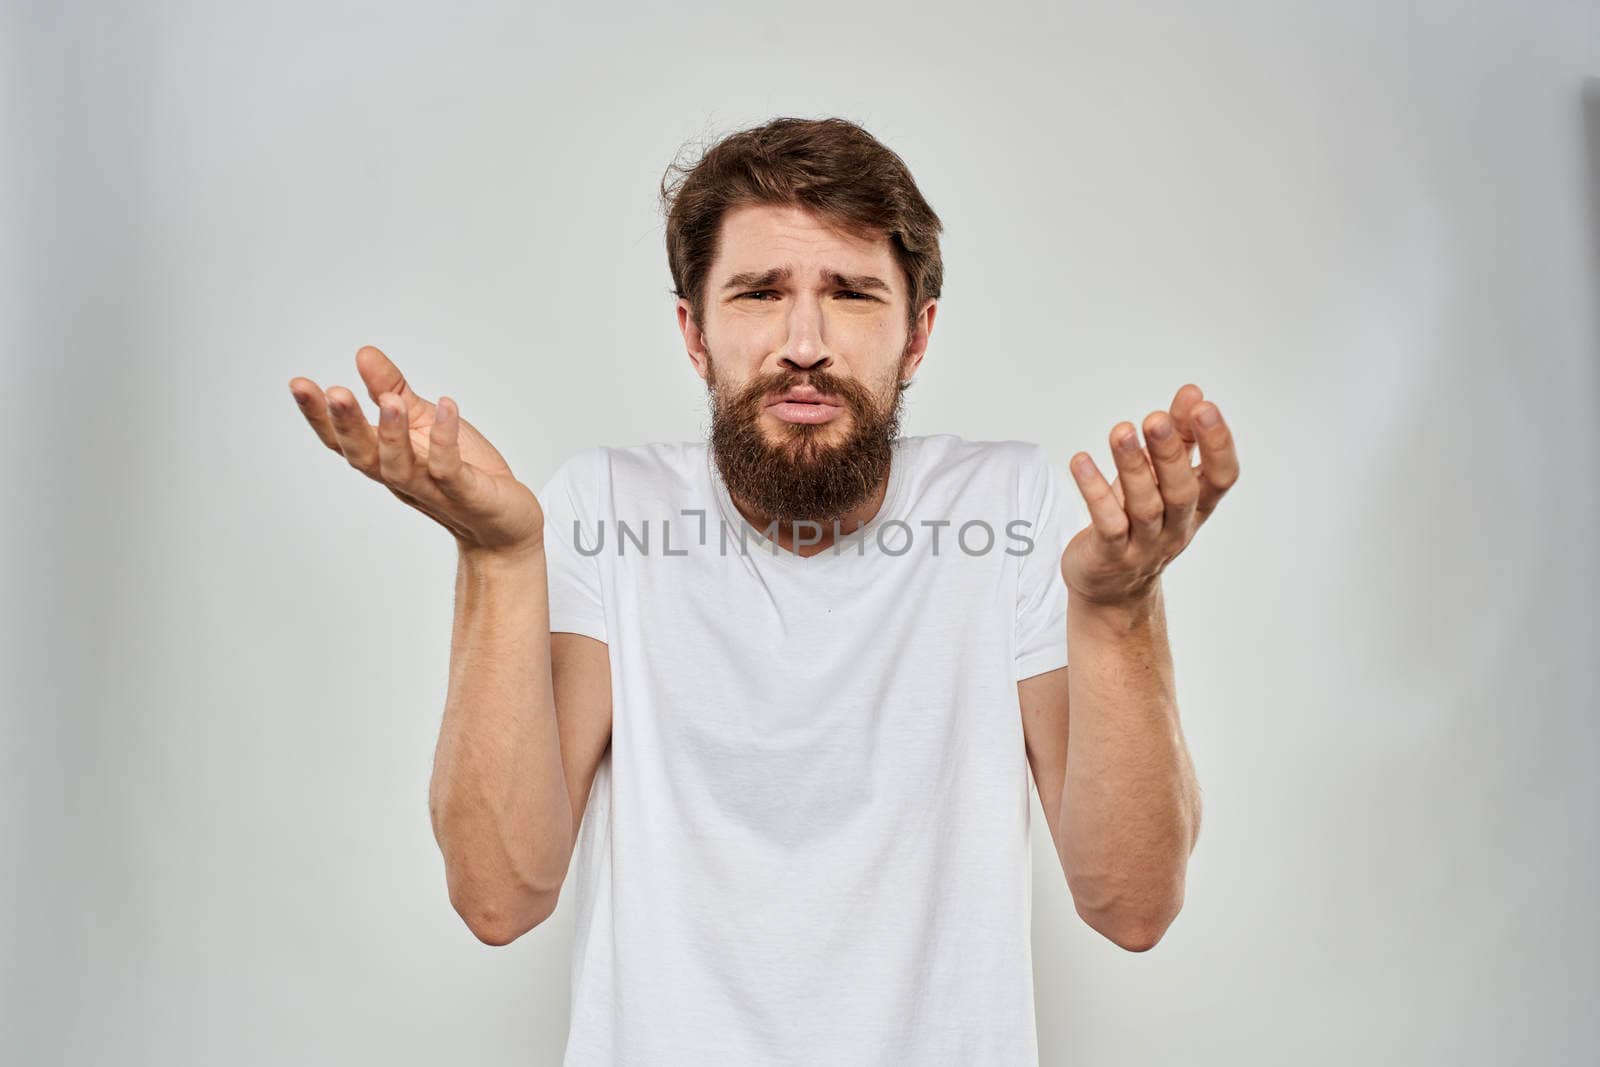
point(1367, 230)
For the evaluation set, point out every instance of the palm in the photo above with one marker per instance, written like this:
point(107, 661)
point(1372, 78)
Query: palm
point(475, 448)
point(507, 496)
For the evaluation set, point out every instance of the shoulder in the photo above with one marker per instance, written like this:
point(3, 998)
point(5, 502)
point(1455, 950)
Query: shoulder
point(664, 469)
point(652, 461)
point(950, 458)
point(952, 450)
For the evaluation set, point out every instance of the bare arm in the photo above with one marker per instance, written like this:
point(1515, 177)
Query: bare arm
point(1114, 774)
point(1130, 804)
point(1103, 737)
point(528, 713)
point(527, 719)
point(499, 800)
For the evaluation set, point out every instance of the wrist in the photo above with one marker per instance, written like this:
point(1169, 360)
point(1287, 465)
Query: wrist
point(1116, 616)
point(518, 556)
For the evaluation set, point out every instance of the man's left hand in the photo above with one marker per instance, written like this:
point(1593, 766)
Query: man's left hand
point(1141, 522)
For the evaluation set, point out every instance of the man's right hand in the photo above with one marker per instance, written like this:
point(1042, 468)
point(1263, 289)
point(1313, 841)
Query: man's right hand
point(427, 455)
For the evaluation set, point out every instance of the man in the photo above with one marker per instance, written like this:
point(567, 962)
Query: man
point(798, 674)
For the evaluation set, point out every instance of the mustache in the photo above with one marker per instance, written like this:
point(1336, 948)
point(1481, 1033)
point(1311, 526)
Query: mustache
point(831, 386)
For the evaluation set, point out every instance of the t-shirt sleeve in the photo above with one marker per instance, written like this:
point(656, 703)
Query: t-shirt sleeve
point(570, 501)
point(1057, 512)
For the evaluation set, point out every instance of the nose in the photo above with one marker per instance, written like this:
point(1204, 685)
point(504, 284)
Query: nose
point(800, 362)
point(805, 350)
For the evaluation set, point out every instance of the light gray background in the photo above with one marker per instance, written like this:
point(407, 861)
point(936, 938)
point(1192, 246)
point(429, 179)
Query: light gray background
point(1368, 230)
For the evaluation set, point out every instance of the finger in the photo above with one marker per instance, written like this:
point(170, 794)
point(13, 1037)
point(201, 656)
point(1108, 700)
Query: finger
point(1145, 508)
point(1182, 412)
point(1105, 511)
point(357, 439)
point(314, 406)
point(382, 376)
point(457, 480)
point(397, 463)
point(1219, 463)
point(1179, 487)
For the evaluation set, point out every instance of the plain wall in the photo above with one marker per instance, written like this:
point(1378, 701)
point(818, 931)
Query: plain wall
point(1367, 230)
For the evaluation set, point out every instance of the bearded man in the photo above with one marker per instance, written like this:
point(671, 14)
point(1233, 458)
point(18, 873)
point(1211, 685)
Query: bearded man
point(785, 748)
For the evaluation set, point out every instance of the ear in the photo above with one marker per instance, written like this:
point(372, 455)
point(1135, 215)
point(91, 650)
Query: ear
point(917, 345)
point(694, 340)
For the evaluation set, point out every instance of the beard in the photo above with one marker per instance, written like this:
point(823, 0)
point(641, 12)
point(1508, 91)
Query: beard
point(802, 476)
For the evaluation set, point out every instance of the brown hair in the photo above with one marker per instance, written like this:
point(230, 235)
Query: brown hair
point(829, 166)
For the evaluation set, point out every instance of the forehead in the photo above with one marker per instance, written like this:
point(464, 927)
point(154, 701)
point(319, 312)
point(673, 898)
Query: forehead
point(759, 237)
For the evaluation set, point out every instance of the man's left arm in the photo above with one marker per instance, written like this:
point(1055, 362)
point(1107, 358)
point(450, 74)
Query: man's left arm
point(1104, 734)
point(1129, 811)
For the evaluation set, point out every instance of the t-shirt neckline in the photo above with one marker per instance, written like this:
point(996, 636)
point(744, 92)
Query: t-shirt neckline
point(844, 548)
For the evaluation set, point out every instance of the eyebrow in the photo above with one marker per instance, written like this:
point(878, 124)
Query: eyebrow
point(760, 279)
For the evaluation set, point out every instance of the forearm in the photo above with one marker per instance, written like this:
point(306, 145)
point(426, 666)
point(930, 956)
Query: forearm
point(498, 797)
point(1130, 806)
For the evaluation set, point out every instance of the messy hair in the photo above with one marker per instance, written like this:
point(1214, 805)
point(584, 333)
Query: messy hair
point(830, 166)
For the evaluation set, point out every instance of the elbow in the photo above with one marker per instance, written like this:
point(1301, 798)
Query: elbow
point(498, 905)
point(1136, 935)
point(500, 924)
point(1134, 928)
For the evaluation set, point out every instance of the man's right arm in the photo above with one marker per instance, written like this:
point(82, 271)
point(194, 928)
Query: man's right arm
point(528, 713)
point(527, 719)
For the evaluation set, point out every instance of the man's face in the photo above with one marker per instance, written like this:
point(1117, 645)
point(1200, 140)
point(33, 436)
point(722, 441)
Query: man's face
point(797, 309)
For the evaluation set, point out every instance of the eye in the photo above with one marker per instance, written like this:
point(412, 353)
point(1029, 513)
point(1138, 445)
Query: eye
point(761, 294)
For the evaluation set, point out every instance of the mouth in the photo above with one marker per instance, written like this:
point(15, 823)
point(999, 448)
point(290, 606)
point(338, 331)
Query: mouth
point(804, 406)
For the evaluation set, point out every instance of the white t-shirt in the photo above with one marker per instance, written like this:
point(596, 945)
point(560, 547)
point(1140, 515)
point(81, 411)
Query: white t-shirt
point(809, 840)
